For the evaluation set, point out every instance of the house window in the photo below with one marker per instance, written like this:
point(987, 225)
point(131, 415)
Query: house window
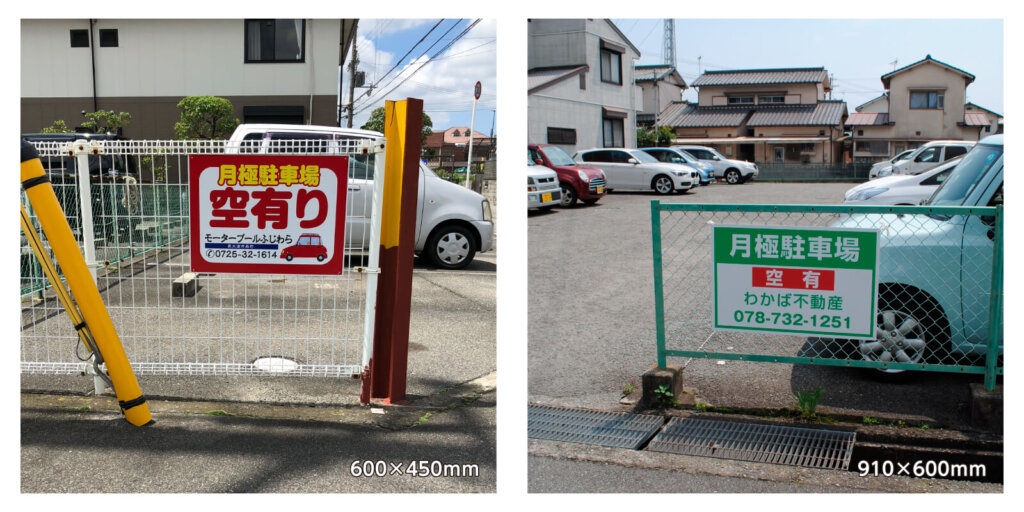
point(79, 38)
point(927, 99)
point(613, 133)
point(562, 136)
point(741, 100)
point(874, 147)
point(772, 99)
point(108, 37)
point(456, 133)
point(611, 66)
point(275, 40)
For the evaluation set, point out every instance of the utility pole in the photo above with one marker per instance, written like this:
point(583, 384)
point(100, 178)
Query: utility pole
point(352, 81)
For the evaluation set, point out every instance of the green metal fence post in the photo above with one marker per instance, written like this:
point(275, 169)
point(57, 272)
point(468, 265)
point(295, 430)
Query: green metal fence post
point(659, 299)
point(995, 312)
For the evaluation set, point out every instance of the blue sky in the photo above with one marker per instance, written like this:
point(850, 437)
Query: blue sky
point(445, 83)
point(856, 52)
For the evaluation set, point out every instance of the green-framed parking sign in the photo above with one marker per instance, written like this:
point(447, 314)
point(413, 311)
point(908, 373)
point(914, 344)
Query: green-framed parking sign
point(794, 280)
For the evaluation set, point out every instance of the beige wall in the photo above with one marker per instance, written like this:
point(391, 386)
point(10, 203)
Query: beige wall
point(714, 95)
point(931, 123)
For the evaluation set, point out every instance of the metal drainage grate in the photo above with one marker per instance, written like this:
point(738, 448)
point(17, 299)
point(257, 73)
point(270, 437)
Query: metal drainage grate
point(612, 429)
point(776, 444)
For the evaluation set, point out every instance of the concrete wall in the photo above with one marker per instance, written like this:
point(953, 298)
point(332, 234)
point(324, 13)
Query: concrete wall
point(555, 43)
point(566, 105)
point(656, 97)
point(170, 58)
point(158, 62)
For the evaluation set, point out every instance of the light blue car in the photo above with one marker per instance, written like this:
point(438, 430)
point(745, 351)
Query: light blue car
point(678, 156)
point(935, 271)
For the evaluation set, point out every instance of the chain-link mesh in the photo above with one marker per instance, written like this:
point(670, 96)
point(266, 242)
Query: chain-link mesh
point(934, 280)
point(312, 325)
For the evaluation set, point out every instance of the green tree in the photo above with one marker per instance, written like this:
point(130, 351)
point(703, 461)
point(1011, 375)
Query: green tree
point(205, 117)
point(661, 137)
point(376, 123)
point(103, 121)
point(58, 126)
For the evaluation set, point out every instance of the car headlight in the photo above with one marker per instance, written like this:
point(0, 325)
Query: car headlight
point(529, 180)
point(584, 176)
point(682, 173)
point(886, 171)
point(865, 194)
point(486, 205)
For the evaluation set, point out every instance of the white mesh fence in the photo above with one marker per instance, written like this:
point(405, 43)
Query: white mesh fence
point(233, 323)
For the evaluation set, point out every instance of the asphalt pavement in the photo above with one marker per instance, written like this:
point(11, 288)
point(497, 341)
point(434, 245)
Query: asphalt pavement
point(289, 434)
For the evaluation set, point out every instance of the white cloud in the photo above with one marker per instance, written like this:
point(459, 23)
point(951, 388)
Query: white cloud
point(445, 85)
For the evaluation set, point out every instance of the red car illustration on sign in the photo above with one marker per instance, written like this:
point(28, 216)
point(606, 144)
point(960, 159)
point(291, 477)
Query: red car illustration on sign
point(309, 246)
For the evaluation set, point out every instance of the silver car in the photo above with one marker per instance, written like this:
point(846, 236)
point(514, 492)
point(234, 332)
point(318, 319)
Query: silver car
point(634, 169)
point(453, 223)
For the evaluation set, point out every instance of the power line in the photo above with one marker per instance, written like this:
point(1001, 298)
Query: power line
point(369, 92)
point(399, 61)
point(429, 60)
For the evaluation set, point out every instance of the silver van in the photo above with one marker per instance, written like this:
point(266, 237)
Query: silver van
point(453, 223)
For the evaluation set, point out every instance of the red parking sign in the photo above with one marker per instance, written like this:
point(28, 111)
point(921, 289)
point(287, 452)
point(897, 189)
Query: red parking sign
point(269, 214)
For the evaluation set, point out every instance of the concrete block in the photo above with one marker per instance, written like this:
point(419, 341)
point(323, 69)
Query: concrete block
point(670, 376)
point(185, 285)
point(987, 408)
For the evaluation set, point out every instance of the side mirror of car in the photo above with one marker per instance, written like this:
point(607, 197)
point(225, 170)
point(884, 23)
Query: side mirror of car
point(634, 161)
point(538, 161)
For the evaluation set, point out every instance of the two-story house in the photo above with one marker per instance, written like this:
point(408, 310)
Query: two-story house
point(924, 101)
point(781, 115)
point(581, 85)
point(272, 70)
point(660, 85)
point(449, 149)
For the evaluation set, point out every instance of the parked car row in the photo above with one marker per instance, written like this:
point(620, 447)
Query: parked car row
point(588, 174)
point(916, 161)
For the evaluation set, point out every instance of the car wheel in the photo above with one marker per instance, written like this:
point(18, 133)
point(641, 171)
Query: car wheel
point(733, 177)
point(319, 257)
point(568, 196)
point(663, 184)
point(451, 247)
point(288, 257)
point(908, 328)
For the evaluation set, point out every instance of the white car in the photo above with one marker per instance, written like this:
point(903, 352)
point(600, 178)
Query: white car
point(453, 223)
point(542, 188)
point(634, 169)
point(931, 154)
point(900, 190)
point(734, 171)
point(878, 170)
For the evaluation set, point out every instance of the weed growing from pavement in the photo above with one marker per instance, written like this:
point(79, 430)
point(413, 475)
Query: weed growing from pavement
point(665, 397)
point(423, 419)
point(218, 412)
point(808, 402)
point(868, 420)
point(629, 388)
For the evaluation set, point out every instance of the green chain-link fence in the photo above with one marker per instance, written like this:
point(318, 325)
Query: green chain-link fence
point(939, 287)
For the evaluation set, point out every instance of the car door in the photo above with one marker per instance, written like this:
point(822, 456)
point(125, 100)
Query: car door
point(636, 175)
point(613, 172)
point(927, 159)
point(976, 267)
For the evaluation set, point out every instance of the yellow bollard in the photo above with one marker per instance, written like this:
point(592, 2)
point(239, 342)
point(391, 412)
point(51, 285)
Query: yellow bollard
point(83, 288)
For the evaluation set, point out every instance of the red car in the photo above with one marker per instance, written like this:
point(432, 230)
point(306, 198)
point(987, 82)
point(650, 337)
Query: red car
point(578, 181)
point(309, 246)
